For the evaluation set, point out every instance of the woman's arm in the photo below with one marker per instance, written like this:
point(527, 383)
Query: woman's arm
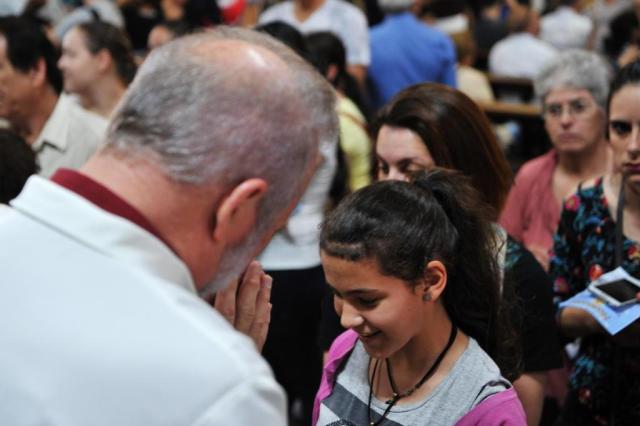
point(576, 322)
point(568, 272)
point(530, 388)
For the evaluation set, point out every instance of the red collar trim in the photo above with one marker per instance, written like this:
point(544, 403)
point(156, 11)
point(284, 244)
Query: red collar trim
point(104, 198)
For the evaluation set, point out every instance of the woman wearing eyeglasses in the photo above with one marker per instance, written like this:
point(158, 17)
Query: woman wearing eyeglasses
point(573, 90)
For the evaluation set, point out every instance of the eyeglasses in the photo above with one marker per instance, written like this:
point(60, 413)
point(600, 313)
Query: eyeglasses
point(575, 108)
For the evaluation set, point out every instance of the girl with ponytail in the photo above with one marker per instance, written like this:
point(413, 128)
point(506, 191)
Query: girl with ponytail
point(417, 285)
point(431, 125)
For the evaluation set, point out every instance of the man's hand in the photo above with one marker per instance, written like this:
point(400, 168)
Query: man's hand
point(245, 303)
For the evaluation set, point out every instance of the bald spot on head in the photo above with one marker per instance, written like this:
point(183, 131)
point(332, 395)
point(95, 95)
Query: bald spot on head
point(205, 101)
point(245, 64)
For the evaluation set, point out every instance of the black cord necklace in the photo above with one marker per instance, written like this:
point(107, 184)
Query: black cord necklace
point(396, 396)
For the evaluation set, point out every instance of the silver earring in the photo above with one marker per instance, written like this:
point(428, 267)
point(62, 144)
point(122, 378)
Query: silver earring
point(426, 297)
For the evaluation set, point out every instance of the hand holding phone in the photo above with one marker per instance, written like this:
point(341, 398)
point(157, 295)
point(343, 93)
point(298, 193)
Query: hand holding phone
point(617, 293)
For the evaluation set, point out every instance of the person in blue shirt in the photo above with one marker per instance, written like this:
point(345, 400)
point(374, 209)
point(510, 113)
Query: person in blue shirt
point(406, 51)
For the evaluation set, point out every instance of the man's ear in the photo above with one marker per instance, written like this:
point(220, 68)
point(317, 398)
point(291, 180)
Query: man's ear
point(434, 281)
point(237, 212)
point(38, 73)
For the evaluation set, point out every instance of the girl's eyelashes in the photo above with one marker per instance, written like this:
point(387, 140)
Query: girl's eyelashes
point(620, 127)
point(367, 303)
point(364, 302)
point(383, 167)
point(335, 293)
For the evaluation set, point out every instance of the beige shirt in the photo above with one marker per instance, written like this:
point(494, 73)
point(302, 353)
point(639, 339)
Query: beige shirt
point(69, 137)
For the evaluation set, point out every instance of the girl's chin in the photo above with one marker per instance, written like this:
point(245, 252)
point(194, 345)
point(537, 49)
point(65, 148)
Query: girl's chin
point(378, 347)
point(373, 344)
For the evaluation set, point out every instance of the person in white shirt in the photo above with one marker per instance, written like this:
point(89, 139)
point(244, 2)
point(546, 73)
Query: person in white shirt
point(566, 27)
point(337, 16)
point(30, 100)
point(12, 7)
point(521, 54)
point(602, 12)
point(205, 157)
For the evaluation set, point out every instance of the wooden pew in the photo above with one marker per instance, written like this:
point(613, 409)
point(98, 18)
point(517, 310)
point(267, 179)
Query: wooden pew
point(534, 140)
point(503, 87)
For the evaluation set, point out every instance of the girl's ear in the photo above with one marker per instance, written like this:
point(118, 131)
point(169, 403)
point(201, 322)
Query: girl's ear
point(104, 59)
point(434, 282)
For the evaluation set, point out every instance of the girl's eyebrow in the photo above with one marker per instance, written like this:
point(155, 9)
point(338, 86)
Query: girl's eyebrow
point(405, 159)
point(356, 291)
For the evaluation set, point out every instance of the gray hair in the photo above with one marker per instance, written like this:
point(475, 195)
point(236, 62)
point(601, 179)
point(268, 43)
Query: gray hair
point(205, 114)
point(576, 69)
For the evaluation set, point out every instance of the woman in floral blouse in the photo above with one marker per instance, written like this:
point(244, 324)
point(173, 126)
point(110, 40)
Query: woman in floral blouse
point(584, 249)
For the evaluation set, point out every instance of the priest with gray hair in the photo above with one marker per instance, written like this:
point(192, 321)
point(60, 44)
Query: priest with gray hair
point(205, 157)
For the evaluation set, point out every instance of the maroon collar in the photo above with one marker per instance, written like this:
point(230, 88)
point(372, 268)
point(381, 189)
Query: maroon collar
point(104, 198)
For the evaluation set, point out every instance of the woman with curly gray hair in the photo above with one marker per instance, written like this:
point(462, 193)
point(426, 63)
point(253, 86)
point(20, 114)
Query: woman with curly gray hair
point(573, 90)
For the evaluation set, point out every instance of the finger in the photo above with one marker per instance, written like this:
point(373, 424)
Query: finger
point(225, 302)
point(262, 302)
point(267, 283)
point(260, 328)
point(246, 300)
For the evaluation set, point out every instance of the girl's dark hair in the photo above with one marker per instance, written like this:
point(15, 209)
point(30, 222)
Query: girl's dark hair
point(288, 35)
point(457, 134)
point(101, 35)
point(629, 74)
point(327, 49)
point(438, 216)
point(17, 163)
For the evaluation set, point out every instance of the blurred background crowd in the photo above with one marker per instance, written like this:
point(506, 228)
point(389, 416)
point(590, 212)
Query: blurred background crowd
point(513, 93)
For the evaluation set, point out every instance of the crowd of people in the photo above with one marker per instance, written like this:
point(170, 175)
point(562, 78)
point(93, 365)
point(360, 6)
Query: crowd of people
point(300, 212)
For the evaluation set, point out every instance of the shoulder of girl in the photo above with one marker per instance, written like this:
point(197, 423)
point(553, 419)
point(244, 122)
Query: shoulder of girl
point(343, 344)
point(503, 408)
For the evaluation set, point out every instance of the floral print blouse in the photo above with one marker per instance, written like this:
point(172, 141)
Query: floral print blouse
point(584, 249)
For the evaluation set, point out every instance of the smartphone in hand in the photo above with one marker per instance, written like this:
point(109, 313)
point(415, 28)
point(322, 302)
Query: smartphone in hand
point(616, 293)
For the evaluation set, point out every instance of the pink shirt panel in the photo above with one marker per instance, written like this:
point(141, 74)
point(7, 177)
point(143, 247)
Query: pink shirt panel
point(531, 213)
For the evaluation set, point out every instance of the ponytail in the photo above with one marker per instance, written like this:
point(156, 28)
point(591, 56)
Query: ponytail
point(437, 216)
point(475, 301)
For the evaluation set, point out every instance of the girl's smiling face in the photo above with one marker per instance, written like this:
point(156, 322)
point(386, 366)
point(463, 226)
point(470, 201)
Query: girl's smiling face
point(385, 311)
